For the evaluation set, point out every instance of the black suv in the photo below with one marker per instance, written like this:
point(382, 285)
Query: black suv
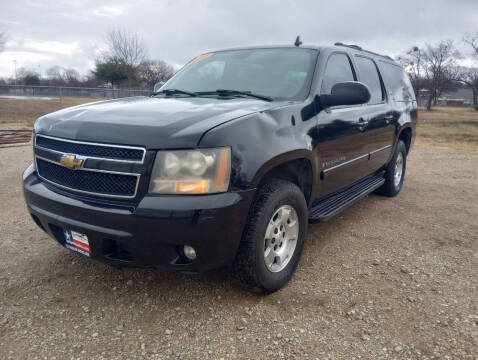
point(227, 162)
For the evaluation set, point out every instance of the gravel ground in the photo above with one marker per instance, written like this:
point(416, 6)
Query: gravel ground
point(387, 279)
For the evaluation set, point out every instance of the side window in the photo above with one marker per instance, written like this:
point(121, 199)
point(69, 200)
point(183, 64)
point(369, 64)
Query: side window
point(368, 74)
point(397, 82)
point(338, 69)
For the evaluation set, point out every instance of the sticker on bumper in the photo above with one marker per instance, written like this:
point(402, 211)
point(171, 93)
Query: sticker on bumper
point(77, 242)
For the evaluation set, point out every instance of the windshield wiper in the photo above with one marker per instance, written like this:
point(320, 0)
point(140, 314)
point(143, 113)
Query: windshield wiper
point(173, 92)
point(224, 92)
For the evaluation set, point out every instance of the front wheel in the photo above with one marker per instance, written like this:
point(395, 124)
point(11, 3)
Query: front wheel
point(395, 172)
point(274, 236)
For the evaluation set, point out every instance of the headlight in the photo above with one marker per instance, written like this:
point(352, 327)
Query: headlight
point(200, 171)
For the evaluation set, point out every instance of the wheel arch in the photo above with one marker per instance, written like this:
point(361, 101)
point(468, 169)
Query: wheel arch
point(406, 135)
point(297, 167)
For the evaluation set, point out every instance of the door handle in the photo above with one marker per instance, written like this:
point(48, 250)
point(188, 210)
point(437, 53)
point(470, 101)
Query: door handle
point(362, 124)
point(388, 118)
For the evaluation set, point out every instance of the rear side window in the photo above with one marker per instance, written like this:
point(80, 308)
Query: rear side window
point(368, 74)
point(338, 69)
point(397, 82)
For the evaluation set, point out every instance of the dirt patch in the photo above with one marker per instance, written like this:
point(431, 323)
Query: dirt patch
point(448, 127)
point(387, 279)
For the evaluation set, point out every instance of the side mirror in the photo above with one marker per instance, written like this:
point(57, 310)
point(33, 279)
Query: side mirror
point(346, 93)
point(158, 85)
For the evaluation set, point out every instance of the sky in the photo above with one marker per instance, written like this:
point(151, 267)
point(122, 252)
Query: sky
point(71, 33)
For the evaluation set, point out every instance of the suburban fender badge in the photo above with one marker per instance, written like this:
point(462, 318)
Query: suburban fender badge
point(71, 162)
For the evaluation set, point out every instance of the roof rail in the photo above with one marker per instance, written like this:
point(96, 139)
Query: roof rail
point(356, 47)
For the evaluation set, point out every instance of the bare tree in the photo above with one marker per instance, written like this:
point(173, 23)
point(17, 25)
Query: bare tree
point(125, 52)
point(439, 68)
point(413, 62)
point(55, 75)
point(61, 76)
point(126, 47)
point(71, 76)
point(472, 40)
point(449, 81)
point(151, 72)
point(469, 75)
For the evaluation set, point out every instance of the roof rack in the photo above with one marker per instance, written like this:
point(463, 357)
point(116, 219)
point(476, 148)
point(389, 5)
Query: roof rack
point(356, 47)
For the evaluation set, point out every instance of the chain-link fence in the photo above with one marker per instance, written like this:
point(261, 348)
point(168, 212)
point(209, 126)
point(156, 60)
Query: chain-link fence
point(20, 105)
point(66, 91)
point(423, 100)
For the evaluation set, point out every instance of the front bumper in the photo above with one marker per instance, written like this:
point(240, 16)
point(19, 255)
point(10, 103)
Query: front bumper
point(151, 233)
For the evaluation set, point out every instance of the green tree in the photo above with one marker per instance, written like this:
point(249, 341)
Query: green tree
point(111, 71)
point(31, 79)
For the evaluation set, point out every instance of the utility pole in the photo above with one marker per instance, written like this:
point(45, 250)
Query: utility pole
point(15, 62)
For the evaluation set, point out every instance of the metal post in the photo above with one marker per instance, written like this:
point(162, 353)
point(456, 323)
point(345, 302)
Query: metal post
point(15, 63)
point(61, 100)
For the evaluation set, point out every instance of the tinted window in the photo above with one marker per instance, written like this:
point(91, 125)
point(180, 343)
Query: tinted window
point(281, 73)
point(369, 76)
point(337, 70)
point(397, 82)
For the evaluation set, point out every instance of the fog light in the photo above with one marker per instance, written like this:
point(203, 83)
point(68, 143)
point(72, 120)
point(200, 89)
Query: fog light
point(189, 252)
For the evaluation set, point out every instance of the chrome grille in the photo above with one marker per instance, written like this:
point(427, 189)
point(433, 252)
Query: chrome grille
point(91, 150)
point(89, 180)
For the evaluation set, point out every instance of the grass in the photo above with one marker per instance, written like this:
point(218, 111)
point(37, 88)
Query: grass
point(24, 112)
point(270, 299)
point(443, 127)
point(448, 127)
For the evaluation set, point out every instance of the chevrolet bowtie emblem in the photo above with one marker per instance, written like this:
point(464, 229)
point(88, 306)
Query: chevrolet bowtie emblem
point(71, 162)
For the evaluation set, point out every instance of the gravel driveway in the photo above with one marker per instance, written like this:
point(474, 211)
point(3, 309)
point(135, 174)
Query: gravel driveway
point(387, 279)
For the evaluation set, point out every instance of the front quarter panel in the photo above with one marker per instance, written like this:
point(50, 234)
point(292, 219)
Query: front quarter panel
point(261, 141)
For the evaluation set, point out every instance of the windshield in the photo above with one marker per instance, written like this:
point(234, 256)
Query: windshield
point(280, 73)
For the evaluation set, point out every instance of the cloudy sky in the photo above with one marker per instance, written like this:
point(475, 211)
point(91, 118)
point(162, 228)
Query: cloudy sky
point(44, 33)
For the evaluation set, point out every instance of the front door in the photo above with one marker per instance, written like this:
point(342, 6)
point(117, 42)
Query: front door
point(341, 142)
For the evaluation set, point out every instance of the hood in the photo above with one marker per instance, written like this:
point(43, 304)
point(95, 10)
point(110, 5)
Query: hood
point(152, 122)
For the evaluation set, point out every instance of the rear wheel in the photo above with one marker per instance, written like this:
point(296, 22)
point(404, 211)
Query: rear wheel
point(395, 173)
point(274, 236)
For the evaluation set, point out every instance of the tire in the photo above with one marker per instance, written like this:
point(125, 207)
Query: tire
point(275, 200)
point(392, 186)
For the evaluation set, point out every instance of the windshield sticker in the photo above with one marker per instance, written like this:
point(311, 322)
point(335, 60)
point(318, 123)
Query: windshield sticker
point(199, 58)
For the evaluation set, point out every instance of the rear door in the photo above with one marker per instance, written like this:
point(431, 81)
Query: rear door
point(341, 141)
point(377, 115)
